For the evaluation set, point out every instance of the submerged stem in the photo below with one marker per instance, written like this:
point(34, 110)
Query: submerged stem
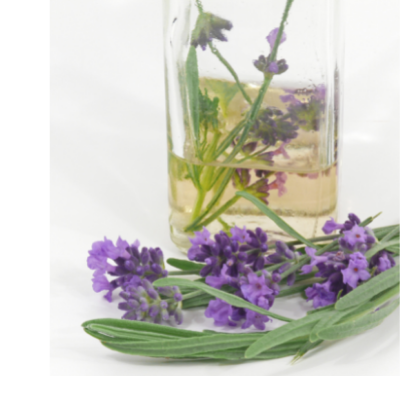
point(216, 52)
point(217, 213)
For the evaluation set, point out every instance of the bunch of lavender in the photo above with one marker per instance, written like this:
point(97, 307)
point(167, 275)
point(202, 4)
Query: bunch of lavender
point(352, 275)
point(343, 270)
point(234, 261)
point(134, 271)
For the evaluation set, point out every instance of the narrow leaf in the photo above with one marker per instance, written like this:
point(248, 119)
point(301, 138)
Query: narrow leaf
point(306, 348)
point(278, 220)
point(227, 297)
point(184, 265)
point(184, 347)
point(192, 81)
point(359, 325)
point(139, 326)
point(394, 232)
point(369, 289)
point(283, 334)
point(380, 246)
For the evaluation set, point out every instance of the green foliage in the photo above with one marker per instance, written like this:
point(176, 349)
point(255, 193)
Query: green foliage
point(192, 82)
point(208, 111)
point(278, 220)
point(225, 91)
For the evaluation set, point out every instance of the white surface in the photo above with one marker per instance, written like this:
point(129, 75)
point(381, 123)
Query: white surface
point(109, 174)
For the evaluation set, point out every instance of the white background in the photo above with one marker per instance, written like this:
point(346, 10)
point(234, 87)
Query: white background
point(109, 174)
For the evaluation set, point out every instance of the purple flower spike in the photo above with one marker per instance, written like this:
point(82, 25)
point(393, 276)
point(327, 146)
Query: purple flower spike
point(134, 271)
point(279, 183)
point(220, 312)
point(357, 270)
point(209, 27)
point(255, 288)
point(217, 281)
point(240, 235)
point(273, 67)
point(201, 238)
point(253, 318)
point(320, 294)
point(383, 261)
point(306, 269)
point(331, 226)
point(271, 38)
point(355, 235)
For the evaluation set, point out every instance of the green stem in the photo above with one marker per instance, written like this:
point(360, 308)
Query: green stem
point(252, 115)
point(179, 273)
point(199, 6)
point(217, 213)
point(201, 195)
point(192, 294)
point(196, 222)
point(215, 51)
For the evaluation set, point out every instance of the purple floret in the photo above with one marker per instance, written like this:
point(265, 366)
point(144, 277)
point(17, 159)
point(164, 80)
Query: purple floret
point(273, 35)
point(320, 294)
point(134, 270)
point(331, 226)
point(220, 312)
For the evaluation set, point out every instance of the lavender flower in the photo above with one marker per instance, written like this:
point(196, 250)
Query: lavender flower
point(258, 290)
point(220, 312)
point(273, 35)
point(283, 253)
point(321, 294)
point(345, 269)
point(209, 27)
point(254, 287)
point(331, 226)
point(315, 260)
point(272, 126)
point(217, 253)
point(383, 261)
point(306, 114)
point(256, 319)
point(268, 65)
point(356, 271)
point(143, 302)
point(234, 261)
point(134, 271)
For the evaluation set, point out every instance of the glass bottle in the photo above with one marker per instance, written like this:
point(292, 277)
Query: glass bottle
point(253, 104)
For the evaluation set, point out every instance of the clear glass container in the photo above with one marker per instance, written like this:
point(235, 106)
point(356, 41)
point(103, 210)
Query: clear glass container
point(253, 98)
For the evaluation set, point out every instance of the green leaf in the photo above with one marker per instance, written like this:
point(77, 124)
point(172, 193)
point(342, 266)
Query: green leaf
point(369, 289)
point(293, 290)
point(239, 354)
point(373, 304)
point(120, 333)
point(107, 338)
point(278, 220)
point(284, 334)
point(226, 91)
point(359, 325)
point(184, 347)
point(139, 326)
point(185, 265)
point(382, 231)
point(229, 298)
point(305, 348)
point(394, 232)
point(380, 246)
point(192, 81)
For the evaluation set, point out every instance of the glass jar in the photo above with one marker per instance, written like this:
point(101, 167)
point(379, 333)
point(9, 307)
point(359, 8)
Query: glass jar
point(253, 104)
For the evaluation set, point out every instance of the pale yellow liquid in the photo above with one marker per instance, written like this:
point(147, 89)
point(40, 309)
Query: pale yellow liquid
point(311, 195)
